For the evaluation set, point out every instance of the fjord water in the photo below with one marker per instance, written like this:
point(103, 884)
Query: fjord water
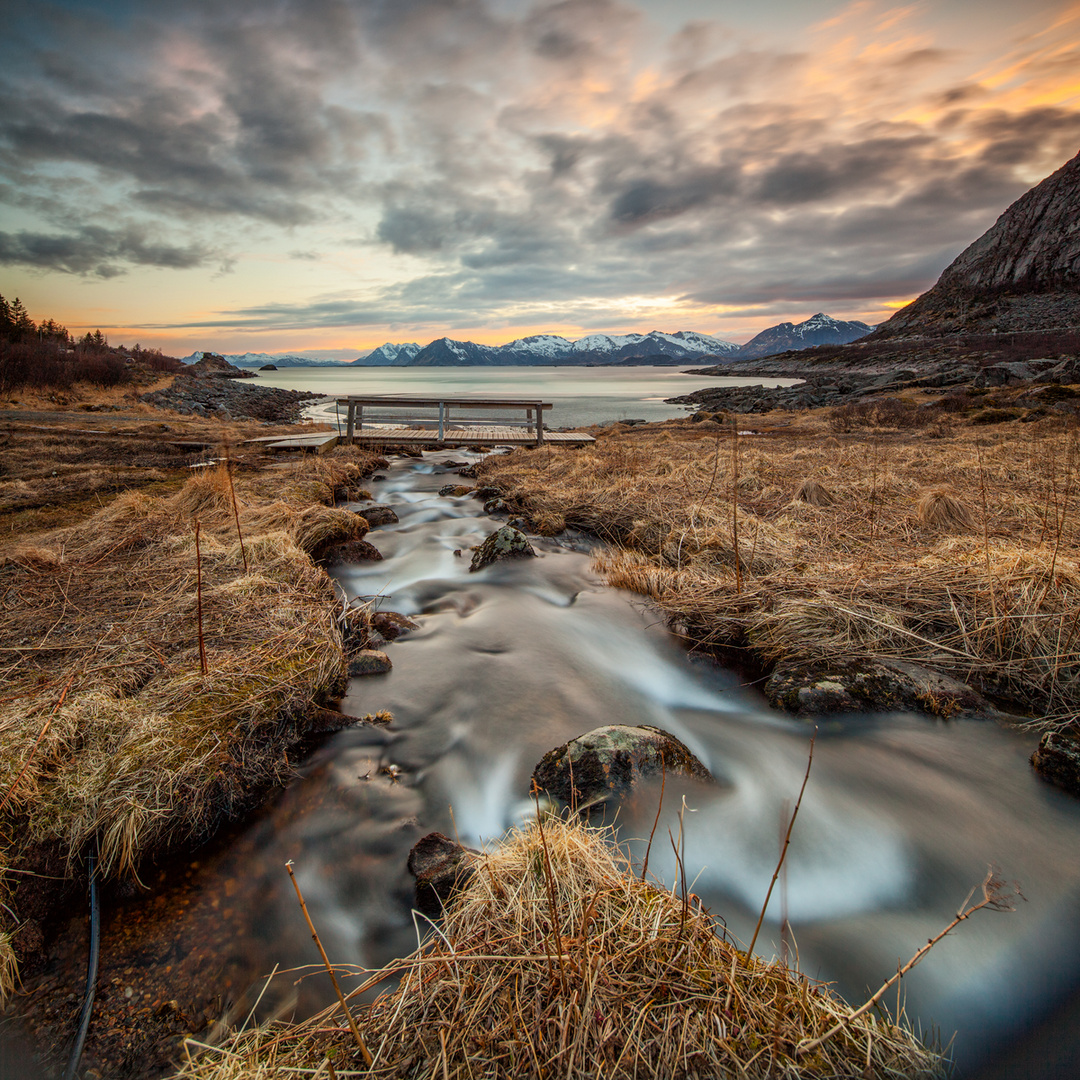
point(901, 817)
point(580, 395)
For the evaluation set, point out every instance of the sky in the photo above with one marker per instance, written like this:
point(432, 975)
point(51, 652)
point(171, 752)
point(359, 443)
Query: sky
point(321, 176)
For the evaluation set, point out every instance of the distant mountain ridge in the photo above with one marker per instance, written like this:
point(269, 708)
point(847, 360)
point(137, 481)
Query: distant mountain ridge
point(656, 348)
point(819, 329)
point(549, 349)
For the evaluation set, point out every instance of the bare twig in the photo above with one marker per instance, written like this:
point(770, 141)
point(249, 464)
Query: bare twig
point(198, 572)
point(659, 807)
point(784, 846)
point(368, 1059)
point(993, 897)
point(235, 509)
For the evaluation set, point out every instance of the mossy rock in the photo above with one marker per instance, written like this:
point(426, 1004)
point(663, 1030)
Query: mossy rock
point(867, 685)
point(1057, 759)
point(504, 543)
point(607, 762)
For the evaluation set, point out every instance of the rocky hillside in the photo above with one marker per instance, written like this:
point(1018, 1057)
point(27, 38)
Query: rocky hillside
point(1021, 275)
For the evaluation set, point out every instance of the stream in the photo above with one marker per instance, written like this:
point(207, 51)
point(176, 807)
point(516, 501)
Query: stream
point(902, 814)
point(901, 817)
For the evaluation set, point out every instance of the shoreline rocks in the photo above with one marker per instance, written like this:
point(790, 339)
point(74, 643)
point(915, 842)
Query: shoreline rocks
point(227, 400)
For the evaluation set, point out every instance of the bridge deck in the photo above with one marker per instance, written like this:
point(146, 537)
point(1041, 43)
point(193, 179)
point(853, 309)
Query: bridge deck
point(485, 435)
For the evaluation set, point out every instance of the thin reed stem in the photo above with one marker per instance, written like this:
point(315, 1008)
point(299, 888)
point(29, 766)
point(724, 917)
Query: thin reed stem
point(198, 602)
point(784, 848)
point(368, 1059)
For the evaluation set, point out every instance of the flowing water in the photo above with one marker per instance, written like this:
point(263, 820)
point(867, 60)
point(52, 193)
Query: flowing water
point(901, 817)
point(902, 814)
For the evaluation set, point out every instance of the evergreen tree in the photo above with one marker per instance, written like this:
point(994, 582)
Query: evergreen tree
point(24, 325)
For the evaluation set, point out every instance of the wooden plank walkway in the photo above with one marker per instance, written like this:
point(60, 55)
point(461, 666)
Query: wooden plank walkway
point(320, 441)
point(486, 435)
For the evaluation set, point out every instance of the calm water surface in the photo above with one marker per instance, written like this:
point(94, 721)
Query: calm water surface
point(580, 395)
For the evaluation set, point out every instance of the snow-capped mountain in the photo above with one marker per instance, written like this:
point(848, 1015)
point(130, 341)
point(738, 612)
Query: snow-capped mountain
point(553, 349)
point(819, 329)
point(388, 355)
point(258, 360)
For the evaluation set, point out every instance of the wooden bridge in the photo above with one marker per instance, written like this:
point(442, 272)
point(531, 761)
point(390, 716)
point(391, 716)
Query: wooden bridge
point(450, 421)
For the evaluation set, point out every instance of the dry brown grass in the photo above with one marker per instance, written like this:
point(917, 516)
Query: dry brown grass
point(110, 734)
point(869, 574)
point(556, 960)
point(941, 509)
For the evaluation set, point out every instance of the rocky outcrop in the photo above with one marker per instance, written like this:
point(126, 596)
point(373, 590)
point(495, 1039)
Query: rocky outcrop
point(225, 400)
point(1023, 273)
point(607, 762)
point(505, 543)
point(822, 687)
point(1057, 759)
point(212, 366)
point(440, 867)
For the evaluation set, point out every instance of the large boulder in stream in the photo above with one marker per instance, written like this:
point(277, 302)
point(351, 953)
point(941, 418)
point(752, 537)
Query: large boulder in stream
point(607, 762)
point(441, 866)
point(505, 543)
point(1057, 759)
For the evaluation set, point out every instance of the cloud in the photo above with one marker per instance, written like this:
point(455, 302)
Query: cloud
point(96, 251)
point(504, 158)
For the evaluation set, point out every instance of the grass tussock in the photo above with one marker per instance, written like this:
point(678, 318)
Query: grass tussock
point(111, 732)
point(939, 508)
point(959, 553)
point(556, 960)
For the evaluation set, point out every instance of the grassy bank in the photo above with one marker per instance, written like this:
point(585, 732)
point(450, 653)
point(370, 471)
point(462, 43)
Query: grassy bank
point(556, 959)
point(162, 655)
point(954, 547)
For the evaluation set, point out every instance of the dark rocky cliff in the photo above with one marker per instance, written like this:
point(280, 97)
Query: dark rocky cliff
point(1022, 274)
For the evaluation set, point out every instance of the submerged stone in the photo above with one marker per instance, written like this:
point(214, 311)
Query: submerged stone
point(455, 490)
point(505, 543)
point(392, 624)
point(608, 761)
